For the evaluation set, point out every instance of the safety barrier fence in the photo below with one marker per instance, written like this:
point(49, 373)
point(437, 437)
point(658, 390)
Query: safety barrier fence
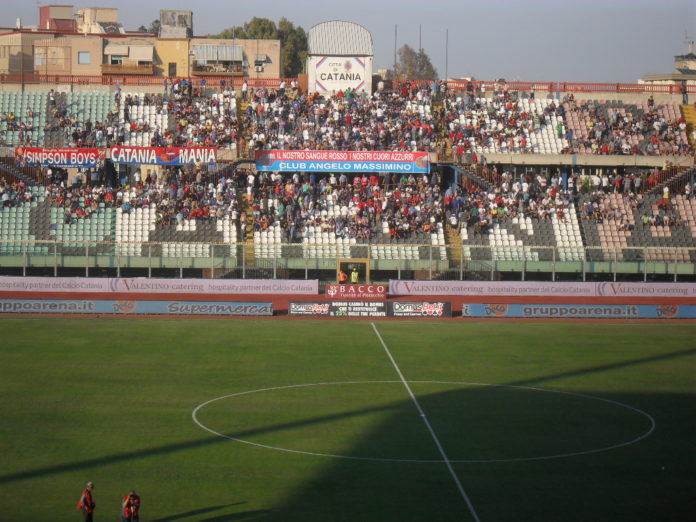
point(274, 83)
point(302, 260)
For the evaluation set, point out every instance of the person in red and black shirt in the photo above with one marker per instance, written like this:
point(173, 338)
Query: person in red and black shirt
point(130, 507)
point(86, 503)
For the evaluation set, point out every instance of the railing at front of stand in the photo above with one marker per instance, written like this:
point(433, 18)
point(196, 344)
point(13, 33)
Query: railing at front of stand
point(396, 260)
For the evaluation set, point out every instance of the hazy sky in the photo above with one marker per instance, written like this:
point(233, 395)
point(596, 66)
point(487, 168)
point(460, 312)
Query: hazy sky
point(533, 40)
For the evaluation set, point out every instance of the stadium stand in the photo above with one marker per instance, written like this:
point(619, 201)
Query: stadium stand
point(22, 118)
point(488, 215)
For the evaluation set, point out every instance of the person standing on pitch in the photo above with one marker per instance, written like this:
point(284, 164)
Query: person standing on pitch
point(86, 503)
point(130, 507)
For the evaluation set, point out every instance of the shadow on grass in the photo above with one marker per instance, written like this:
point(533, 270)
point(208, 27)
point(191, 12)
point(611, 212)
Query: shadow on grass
point(195, 512)
point(604, 368)
point(180, 446)
point(622, 485)
point(193, 444)
point(259, 514)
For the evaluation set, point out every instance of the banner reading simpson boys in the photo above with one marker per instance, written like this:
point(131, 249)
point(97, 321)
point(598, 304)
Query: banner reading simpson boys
point(62, 157)
point(342, 161)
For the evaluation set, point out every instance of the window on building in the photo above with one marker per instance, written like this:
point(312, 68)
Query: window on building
point(84, 58)
point(116, 59)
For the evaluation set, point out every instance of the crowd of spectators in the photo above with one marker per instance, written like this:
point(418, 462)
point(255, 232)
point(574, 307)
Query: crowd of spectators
point(355, 207)
point(410, 117)
point(24, 126)
point(528, 196)
point(500, 122)
point(175, 199)
point(394, 120)
point(14, 194)
point(628, 131)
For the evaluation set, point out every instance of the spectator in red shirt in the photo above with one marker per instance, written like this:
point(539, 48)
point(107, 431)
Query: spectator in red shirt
point(130, 507)
point(86, 503)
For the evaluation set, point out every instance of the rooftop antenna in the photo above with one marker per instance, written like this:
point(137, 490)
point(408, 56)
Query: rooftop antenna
point(395, 32)
point(689, 43)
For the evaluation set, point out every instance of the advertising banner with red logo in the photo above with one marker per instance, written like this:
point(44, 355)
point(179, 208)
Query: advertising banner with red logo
point(433, 310)
point(420, 309)
point(342, 161)
point(163, 155)
point(62, 157)
point(334, 291)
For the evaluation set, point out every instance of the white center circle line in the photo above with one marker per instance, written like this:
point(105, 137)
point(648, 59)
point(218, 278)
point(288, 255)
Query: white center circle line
point(647, 433)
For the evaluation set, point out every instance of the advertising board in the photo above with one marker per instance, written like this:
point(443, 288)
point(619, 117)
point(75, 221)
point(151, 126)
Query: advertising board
point(420, 309)
point(312, 309)
point(125, 285)
point(525, 289)
point(347, 291)
point(127, 307)
point(330, 74)
point(579, 311)
point(371, 309)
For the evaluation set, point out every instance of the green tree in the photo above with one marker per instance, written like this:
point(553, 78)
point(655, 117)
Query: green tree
point(414, 65)
point(293, 48)
point(154, 27)
point(293, 41)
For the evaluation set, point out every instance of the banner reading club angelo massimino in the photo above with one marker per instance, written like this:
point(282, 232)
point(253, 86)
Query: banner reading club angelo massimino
point(342, 161)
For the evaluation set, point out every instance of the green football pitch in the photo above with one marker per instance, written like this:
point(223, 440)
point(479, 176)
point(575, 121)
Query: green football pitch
point(300, 420)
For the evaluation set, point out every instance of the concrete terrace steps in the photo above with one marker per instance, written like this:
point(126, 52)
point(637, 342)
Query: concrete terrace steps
point(453, 243)
point(689, 114)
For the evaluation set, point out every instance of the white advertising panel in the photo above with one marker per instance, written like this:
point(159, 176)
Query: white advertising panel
point(159, 286)
point(523, 289)
point(330, 74)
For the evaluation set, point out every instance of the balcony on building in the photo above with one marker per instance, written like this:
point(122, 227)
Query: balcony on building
point(128, 59)
point(217, 60)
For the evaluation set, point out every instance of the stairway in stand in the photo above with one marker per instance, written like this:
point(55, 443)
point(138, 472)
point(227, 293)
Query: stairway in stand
point(241, 128)
point(689, 114)
point(56, 136)
point(249, 253)
point(454, 246)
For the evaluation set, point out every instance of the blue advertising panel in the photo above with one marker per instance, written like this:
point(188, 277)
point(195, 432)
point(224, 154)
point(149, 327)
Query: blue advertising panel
point(579, 311)
point(128, 307)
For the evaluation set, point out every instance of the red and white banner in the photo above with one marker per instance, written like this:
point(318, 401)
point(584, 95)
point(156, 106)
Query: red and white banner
point(163, 155)
point(364, 291)
point(523, 289)
point(159, 286)
point(63, 157)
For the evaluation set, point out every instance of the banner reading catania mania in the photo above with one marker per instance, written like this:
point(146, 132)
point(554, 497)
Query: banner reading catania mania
point(342, 161)
point(163, 155)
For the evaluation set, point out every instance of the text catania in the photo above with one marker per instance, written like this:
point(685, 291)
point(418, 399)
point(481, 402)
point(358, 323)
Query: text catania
point(339, 77)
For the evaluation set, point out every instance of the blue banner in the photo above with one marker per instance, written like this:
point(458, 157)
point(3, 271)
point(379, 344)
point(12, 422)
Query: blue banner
point(579, 311)
point(128, 307)
point(342, 161)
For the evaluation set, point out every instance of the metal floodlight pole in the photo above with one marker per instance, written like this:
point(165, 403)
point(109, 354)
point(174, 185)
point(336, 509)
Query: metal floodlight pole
point(395, 33)
point(446, 54)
